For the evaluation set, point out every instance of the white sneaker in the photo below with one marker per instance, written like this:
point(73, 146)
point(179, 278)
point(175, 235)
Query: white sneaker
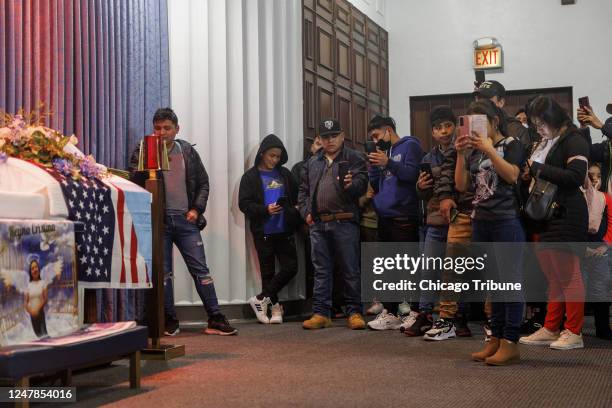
point(385, 321)
point(375, 309)
point(542, 337)
point(277, 314)
point(260, 307)
point(568, 341)
point(441, 330)
point(408, 320)
point(403, 309)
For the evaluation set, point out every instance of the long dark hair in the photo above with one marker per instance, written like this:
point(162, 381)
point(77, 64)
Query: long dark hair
point(30, 271)
point(548, 111)
point(486, 107)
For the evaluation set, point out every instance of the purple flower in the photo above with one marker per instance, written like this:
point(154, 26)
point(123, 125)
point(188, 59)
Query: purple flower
point(89, 168)
point(63, 166)
point(3, 157)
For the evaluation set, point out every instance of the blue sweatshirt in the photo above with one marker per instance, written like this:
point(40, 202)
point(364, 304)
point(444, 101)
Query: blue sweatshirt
point(395, 185)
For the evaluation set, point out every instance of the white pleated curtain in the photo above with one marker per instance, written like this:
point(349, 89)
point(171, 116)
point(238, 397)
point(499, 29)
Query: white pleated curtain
point(236, 76)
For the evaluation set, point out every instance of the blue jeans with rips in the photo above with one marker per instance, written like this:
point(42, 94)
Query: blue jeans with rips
point(330, 241)
point(188, 239)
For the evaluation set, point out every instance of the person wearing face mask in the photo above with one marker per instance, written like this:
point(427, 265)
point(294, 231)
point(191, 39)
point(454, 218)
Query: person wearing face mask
point(561, 158)
point(595, 269)
point(267, 197)
point(394, 170)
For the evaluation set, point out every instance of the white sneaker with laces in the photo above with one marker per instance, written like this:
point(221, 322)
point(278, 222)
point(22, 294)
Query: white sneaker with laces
point(542, 337)
point(260, 307)
point(385, 321)
point(441, 330)
point(567, 341)
point(277, 314)
point(375, 308)
point(408, 320)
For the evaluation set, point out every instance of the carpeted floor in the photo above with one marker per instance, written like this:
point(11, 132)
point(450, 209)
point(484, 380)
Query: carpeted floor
point(285, 366)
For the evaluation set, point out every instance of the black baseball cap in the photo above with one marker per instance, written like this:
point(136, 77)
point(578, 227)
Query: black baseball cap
point(609, 108)
point(329, 127)
point(489, 89)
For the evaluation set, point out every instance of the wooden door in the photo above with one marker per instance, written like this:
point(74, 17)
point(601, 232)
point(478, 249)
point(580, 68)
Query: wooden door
point(421, 106)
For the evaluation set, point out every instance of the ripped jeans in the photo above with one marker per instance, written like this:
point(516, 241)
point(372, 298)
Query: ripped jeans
point(187, 238)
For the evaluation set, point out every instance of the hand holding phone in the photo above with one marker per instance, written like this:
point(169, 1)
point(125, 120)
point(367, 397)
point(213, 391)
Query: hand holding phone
point(370, 147)
point(343, 170)
point(584, 102)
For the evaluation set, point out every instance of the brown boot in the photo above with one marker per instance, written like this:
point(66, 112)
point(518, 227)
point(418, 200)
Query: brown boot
point(507, 353)
point(356, 322)
point(489, 349)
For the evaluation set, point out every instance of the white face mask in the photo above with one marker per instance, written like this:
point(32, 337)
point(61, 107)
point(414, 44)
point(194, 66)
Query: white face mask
point(525, 125)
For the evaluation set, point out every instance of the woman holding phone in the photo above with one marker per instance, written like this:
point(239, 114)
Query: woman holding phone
point(492, 169)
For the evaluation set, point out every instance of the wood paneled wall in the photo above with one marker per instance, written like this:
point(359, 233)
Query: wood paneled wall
point(346, 68)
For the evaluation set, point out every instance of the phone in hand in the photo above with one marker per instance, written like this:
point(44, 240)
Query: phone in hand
point(370, 147)
point(584, 102)
point(283, 201)
point(480, 76)
point(453, 214)
point(343, 169)
point(473, 123)
point(426, 167)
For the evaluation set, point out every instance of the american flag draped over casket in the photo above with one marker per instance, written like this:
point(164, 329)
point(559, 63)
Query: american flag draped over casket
point(114, 242)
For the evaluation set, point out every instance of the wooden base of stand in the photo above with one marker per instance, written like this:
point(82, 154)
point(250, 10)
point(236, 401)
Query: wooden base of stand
point(163, 352)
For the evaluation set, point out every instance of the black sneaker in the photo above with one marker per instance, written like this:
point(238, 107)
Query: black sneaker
point(422, 323)
point(461, 327)
point(218, 324)
point(171, 327)
point(530, 326)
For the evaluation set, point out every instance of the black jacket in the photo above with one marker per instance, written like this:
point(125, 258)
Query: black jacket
point(313, 171)
point(251, 194)
point(196, 179)
point(571, 220)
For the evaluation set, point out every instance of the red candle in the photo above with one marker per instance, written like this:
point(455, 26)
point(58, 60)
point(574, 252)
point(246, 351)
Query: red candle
point(151, 152)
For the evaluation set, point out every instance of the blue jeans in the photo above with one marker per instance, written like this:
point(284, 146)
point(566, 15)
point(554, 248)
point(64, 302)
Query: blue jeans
point(506, 317)
point(596, 276)
point(330, 241)
point(187, 238)
point(434, 246)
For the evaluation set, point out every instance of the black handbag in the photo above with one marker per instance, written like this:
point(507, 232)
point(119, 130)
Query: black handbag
point(541, 205)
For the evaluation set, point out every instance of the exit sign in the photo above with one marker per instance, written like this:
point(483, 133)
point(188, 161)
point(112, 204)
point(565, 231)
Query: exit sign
point(488, 58)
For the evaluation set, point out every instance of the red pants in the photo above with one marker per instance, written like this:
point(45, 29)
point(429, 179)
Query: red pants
point(565, 289)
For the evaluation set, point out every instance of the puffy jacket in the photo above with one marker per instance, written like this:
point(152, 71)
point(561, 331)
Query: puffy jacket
point(196, 179)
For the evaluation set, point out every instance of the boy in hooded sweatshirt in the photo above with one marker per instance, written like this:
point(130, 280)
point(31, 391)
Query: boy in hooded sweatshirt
point(267, 197)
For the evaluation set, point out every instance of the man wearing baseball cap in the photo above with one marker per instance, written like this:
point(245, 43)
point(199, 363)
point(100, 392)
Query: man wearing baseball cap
point(333, 179)
point(496, 93)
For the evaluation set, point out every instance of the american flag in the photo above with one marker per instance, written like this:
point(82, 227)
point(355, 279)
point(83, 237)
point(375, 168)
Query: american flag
point(107, 246)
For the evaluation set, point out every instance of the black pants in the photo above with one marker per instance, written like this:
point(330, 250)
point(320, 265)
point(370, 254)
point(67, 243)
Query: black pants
point(397, 230)
point(272, 247)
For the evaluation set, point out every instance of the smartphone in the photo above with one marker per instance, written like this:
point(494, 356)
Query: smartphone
point(426, 167)
point(480, 76)
point(473, 123)
point(283, 201)
point(343, 169)
point(584, 102)
point(453, 214)
point(370, 147)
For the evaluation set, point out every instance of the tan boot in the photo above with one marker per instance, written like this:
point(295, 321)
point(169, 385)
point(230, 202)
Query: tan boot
point(317, 321)
point(507, 353)
point(489, 349)
point(356, 322)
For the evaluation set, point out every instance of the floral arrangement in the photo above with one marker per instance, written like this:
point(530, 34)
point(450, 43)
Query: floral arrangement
point(24, 137)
